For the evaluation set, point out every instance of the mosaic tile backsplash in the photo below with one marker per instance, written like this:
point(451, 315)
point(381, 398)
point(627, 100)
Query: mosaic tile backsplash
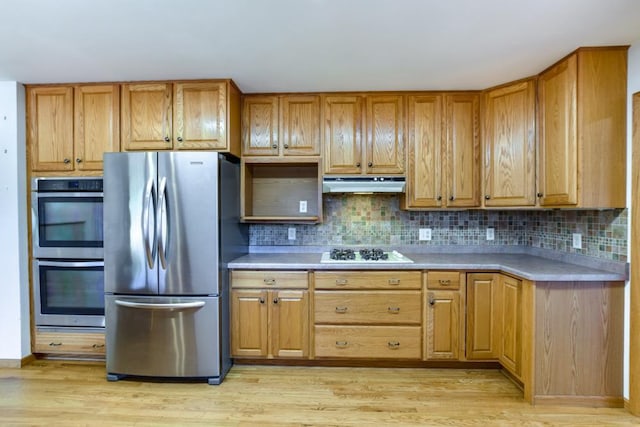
point(377, 220)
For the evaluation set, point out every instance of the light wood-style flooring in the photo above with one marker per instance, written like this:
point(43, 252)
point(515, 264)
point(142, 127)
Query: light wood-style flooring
point(76, 393)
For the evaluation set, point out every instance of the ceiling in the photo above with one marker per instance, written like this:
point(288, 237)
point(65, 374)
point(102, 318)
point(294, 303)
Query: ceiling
point(304, 45)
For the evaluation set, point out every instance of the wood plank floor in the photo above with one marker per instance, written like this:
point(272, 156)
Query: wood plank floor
point(76, 393)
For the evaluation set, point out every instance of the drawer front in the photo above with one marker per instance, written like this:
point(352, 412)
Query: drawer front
point(378, 307)
point(369, 342)
point(252, 279)
point(367, 280)
point(69, 343)
point(443, 280)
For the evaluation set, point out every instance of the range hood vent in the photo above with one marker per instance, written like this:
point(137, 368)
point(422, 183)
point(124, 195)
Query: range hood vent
point(363, 184)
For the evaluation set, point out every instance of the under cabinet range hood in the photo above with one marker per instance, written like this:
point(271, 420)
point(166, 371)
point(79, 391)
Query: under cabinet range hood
point(363, 184)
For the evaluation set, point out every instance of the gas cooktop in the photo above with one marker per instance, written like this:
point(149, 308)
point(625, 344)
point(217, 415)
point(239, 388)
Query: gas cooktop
point(366, 255)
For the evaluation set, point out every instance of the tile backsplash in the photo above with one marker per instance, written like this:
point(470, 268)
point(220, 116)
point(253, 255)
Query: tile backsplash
point(377, 220)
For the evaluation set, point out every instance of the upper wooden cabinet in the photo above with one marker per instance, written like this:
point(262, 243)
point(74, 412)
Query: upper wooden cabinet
point(509, 145)
point(69, 128)
point(443, 166)
point(582, 120)
point(181, 115)
point(381, 152)
point(287, 125)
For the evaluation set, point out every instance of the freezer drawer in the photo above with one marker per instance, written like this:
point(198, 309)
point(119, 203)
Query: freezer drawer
point(163, 336)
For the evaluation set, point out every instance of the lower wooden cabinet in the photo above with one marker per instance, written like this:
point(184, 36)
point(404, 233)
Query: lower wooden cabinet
point(509, 310)
point(269, 323)
point(444, 315)
point(482, 322)
point(76, 343)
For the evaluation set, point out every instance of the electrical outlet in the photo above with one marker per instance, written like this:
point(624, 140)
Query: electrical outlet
point(424, 234)
point(291, 231)
point(577, 241)
point(303, 206)
point(491, 235)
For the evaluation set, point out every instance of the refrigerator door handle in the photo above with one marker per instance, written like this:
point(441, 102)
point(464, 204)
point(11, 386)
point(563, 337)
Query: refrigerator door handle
point(168, 306)
point(162, 226)
point(149, 199)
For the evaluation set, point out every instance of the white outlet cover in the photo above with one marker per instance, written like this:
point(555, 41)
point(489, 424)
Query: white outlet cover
point(291, 232)
point(424, 234)
point(577, 241)
point(303, 206)
point(491, 235)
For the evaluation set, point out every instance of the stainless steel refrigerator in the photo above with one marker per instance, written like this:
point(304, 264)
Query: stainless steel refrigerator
point(171, 225)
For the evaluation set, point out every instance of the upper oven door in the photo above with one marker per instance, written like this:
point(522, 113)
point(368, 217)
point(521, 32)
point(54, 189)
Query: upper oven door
point(67, 225)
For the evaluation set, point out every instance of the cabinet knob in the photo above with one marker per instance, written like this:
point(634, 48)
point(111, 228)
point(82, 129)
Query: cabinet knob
point(66, 161)
point(370, 164)
point(487, 197)
point(439, 198)
point(540, 194)
point(78, 160)
point(261, 300)
point(432, 300)
point(179, 139)
point(167, 139)
point(358, 164)
point(286, 146)
point(275, 300)
point(451, 198)
point(274, 146)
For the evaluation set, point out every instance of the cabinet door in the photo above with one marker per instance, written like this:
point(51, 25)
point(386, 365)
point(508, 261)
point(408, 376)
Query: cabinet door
point(199, 115)
point(300, 125)
point(385, 134)
point(511, 337)
point(146, 116)
point(343, 134)
point(249, 323)
point(462, 150)
point(289, 323)
point(424, 178)
point(50, 121)
point(482, 322)
point(509, 145)
point(260, 126)
point(558, 153)
point(97, 124)
point(442, 326)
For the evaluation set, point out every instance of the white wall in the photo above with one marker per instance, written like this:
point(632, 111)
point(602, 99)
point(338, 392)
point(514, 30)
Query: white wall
point(14, 280)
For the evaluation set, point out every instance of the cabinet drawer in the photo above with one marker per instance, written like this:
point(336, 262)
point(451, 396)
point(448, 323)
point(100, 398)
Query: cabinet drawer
point(370, 342)
point(69, 343)
point(367, 280)
point(443, 280)
point(269, 279)
point(380, 307)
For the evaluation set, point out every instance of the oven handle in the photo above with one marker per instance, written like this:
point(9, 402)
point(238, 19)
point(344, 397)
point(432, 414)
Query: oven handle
point(162, 217)
point(70, 263)
point(149, 249)
point(63, 194)
point(168, 306)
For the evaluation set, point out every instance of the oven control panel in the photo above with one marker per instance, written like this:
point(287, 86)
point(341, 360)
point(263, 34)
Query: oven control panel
point(68, 184)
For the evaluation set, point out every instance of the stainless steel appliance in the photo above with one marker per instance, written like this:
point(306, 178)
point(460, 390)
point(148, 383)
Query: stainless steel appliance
point(67, 217)
point(364, 255)
point(171, 226)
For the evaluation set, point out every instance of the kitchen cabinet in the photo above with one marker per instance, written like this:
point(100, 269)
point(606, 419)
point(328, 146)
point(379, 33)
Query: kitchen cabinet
point(71, 127)
point(269, 314)
point(582, 121)
point(190, 115)
point(444, 315)
point(509, 145)
point(287, 125)
point(86, 344)
point(510, 311)
point(380, 151)
point(365, 314)
point(483, 326)
point(443, 165)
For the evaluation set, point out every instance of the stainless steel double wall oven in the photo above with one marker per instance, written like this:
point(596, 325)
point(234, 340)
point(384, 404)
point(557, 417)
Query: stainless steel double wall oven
point(68, 254)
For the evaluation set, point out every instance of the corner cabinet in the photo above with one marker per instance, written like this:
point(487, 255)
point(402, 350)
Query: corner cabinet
point(190, 115)
point(582, 119)
point(483, 327)
point(443, 164)
point(509, 140)
point(71, 127)
point(269, 314)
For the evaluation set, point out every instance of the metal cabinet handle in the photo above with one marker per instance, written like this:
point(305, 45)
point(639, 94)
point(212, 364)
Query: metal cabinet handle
point(274, 146)
point(286, 145)
point(270, 282)
point(393, 310)
point(341, 309)
point(439, 198)
point(451, 198)
point(98, 346)
point(370, 164)
point(66, 161)
point(275, 300)
point(444, 282)
point(432, 300)
point(540, 194)
point(261, 300)
point(55, 344)
point(358, 164)
point(167, 139)
point(78, 160)
point(394, 281)
point(179, 139)
point(341, 282)
point(342, 344)
point(394, 345)
point(487, 197)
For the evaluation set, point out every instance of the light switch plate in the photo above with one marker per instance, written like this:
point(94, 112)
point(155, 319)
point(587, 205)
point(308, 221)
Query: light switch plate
point(424, 234)
point(577, 241)
point(291, 231)
point(303, 206)
point(491, 235)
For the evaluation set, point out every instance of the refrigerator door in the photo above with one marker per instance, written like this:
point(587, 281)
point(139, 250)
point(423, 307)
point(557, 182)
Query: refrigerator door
point(187, 228)
point(163, 337)
point(130, 243)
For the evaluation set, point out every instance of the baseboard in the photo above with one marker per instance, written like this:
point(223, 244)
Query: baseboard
point(27, 360)
point(585, 401)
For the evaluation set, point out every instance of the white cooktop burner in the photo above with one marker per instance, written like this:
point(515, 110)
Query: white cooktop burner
point(393, 257)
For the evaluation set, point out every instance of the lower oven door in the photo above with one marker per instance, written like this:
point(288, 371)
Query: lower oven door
point(69, 293)
point(162, 336)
